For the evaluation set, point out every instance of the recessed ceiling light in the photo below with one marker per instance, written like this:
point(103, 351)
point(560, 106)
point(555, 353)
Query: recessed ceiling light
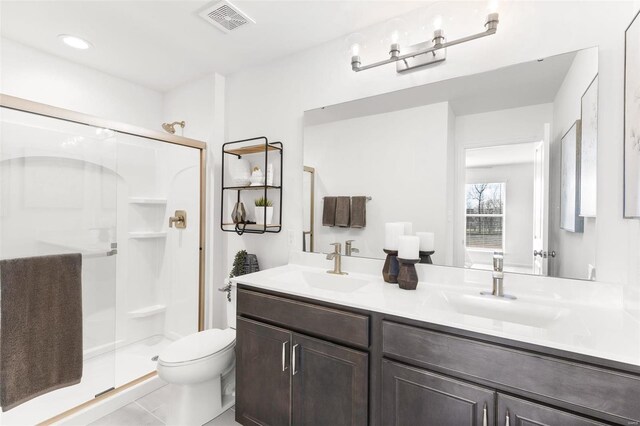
point(75, 42)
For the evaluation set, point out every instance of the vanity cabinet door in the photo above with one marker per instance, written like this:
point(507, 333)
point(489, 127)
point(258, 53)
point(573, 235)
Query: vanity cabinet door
point(411, 396)
point(518, 412)
point(330, 383)
point(263, 381)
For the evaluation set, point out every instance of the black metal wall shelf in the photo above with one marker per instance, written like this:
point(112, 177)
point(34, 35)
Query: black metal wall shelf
point(240, 149)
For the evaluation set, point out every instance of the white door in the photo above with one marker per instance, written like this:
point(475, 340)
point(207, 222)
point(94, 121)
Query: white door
point(540, 204)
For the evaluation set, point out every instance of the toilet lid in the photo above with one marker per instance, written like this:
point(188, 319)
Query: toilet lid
point(198, 345)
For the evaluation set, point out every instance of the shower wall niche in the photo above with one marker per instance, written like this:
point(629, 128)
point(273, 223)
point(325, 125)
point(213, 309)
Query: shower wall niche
point(69, 187)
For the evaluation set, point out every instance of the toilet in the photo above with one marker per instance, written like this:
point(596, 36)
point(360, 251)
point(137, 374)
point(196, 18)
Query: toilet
point(200, 368)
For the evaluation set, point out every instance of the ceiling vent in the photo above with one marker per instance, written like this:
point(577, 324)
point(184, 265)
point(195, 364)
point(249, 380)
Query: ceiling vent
point(226, 17)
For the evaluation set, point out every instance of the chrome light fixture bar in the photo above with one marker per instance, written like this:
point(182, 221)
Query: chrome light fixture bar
point(426, 53)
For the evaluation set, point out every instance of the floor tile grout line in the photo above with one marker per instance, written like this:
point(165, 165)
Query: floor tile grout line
point(154, 416)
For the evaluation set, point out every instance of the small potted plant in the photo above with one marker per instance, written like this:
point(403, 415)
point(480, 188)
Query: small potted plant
point(262, 204)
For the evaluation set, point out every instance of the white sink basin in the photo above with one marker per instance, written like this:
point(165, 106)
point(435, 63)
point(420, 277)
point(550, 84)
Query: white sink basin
point(516, 311)
point(322, 281)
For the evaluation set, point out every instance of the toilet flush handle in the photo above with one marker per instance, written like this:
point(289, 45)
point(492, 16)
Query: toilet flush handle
point(226, 288)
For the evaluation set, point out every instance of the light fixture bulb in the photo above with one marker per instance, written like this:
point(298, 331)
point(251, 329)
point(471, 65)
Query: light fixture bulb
point(437, 23)
point(355, 44)
point(394, 31)
point(395, 36)
point(74, 41)
point(492, 7)
point(355, 49)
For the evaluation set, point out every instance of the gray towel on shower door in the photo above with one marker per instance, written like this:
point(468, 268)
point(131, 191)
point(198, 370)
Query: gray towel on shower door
point(329, 211)
point(358, 212)
point(343, 211)
point(40, 326)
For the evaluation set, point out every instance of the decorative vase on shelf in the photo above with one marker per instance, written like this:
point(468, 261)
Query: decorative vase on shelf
point(240, 171)
point(239, 214)
point(260, 215)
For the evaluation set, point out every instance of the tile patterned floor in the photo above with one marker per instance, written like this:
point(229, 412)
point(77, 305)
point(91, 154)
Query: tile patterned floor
point(150, 410)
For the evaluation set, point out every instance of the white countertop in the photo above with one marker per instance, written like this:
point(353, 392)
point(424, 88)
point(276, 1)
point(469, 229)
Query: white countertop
point(587, 324)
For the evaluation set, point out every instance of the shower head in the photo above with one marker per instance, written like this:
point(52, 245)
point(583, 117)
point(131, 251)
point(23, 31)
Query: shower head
point(171, 127)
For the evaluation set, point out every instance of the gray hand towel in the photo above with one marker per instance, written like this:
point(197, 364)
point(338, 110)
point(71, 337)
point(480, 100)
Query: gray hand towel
point(358, 212)
point(329, 211)
point(41, 326)
point(343, 211)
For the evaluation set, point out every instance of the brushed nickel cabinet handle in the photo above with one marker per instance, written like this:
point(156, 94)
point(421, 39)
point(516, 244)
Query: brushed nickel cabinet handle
point(506, 419)
point(293, 360)
point(284, 355)
point(485, 416)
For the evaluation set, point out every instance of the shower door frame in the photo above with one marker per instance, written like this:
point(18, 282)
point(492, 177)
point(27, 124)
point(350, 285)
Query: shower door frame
point(24, 105)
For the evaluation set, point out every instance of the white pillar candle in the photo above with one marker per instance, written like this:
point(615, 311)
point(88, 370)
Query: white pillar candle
point(408, 246)
point(392, 231)
point(427, 242)
point(408, 228)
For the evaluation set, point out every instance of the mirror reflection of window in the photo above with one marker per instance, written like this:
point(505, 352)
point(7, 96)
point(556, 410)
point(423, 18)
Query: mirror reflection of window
point(485, 217)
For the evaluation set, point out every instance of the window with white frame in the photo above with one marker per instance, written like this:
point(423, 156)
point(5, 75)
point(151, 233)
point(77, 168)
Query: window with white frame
point(485, 216)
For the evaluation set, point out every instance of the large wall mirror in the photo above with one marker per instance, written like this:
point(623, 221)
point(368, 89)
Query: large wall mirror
point(501, 161)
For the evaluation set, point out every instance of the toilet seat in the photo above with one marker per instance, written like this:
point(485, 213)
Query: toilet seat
point(197, 347)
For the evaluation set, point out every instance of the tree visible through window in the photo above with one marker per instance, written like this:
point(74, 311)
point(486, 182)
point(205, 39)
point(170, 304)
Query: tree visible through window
point(485, 216)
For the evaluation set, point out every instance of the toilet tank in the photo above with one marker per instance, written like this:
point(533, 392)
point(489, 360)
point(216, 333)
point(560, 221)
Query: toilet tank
point(231, 307)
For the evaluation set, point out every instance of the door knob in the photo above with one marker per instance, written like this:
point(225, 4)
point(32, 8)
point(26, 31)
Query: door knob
point(180, 219)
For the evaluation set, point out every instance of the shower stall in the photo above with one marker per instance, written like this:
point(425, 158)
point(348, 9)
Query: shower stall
point(71, 183)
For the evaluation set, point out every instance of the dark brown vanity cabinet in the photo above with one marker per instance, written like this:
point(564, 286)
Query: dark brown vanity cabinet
point(412, 396)
point(302, 362)
point(262, 374)
point(519, 412)
point(285, 377)
point(330, 383)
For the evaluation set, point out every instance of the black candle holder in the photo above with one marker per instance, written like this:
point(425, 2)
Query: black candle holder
point(391, 268)
point(408, 277)
point(425, 257)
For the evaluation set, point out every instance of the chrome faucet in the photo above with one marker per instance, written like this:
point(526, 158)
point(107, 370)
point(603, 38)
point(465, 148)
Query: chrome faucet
point(348, 249)
point(336, 256)
point(498, 277)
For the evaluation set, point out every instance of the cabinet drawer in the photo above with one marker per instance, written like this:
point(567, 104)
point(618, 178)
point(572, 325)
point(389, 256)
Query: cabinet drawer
point(559, 382)
point(307, 318)
point(518, 412)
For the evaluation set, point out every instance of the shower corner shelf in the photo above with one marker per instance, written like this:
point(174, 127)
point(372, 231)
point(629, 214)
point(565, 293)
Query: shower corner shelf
point(147, 200)
point(145, 235)
point(147, 311)
point(239, 149)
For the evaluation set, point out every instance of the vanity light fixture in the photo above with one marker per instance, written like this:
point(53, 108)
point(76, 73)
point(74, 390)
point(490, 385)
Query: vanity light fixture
point(74, 41)
point(421, 54)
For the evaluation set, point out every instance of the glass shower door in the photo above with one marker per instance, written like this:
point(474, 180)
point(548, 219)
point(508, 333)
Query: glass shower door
point(58, 194)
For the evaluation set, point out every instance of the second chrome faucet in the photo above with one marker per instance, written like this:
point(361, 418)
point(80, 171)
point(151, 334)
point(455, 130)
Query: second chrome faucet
point(498, 278)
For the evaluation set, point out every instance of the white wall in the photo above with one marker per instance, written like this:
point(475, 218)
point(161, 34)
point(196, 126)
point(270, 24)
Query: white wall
point(200, 104)
point(270, 99)
point(397, 158)
point(575, 250)
point(518, 213)
point(37, 76)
